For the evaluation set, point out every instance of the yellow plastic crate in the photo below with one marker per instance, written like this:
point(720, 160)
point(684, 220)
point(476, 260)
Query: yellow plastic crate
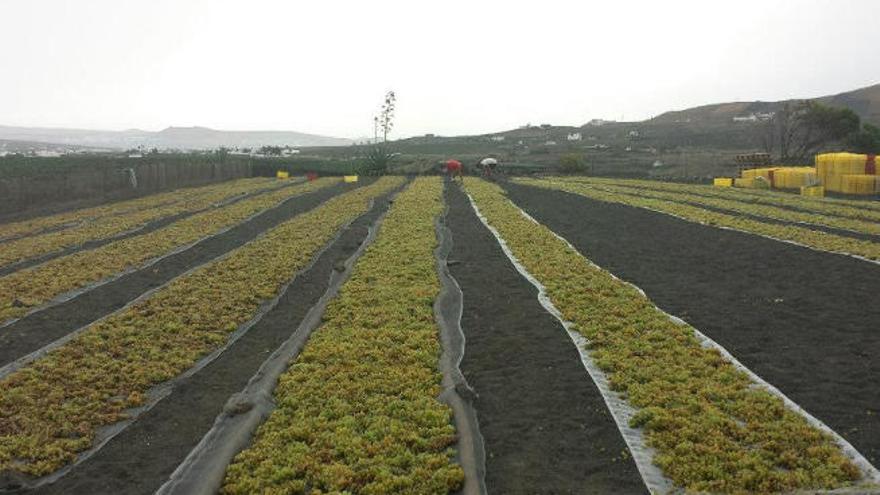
point(815, 191)
point(794, 177)
point(282, 174)
point(831, 168)
point(753, 173)
point(861, 184)
point(350, 178)
point(723, 182)
point(743, 182)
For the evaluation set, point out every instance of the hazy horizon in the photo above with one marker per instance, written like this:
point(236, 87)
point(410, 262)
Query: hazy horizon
point(465, 68)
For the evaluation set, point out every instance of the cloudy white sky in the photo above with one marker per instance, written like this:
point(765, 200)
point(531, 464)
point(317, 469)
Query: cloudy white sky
point(469, 66)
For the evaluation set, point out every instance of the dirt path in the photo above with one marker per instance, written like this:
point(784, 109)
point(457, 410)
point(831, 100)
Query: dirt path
point(43, 327)
point(805, 321)
point(545, 425)
point(141, 458)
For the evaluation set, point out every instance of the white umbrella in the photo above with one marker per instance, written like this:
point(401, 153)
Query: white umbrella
point(488, 161)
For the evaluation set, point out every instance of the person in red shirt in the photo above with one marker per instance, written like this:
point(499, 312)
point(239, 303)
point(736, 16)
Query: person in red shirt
point(453, 169)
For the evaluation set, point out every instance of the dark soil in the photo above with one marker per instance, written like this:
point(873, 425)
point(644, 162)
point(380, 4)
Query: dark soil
point(43, 327)
point(142, 457)
point(821, 228)
point(93, 244)
point(545, 425)
point(745, 200)
point(805, 321)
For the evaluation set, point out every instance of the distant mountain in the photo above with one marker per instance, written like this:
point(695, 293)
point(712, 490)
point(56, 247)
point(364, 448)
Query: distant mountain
point(865, 102)
point(173, 137)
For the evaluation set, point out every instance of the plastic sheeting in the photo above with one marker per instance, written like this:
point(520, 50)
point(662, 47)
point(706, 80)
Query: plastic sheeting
point(622, 411)
point(203, 470)
point(457, 393)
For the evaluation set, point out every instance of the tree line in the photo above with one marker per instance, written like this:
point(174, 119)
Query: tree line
point(801, 129)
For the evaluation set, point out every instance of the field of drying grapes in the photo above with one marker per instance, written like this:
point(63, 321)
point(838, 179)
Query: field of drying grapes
point(419, 336)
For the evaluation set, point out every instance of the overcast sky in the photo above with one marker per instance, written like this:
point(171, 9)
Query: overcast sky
point(458, 67)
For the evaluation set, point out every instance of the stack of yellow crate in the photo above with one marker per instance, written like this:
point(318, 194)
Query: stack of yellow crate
point(753, 173)
point(861, 184)
point(779, 177)
point(794, 177)
point(815, 191)
point(834, 168)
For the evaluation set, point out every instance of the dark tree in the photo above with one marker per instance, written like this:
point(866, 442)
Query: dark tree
point(867, 140)
point(271, 150)
point(799, 130)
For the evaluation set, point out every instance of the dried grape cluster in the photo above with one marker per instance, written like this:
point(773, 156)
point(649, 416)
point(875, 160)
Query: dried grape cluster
point(25, 289)
point(52, 408)
point(87, 228)
point(77, 217)
point(357, 410)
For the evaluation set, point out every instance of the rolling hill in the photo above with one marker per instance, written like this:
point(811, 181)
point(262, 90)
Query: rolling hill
point(864, 101)
point(195, 138)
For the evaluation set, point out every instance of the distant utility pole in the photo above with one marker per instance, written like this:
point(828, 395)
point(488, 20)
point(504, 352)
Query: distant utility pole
point(376, 129)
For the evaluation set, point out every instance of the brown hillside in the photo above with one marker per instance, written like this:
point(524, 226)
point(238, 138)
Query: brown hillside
point(865, 102)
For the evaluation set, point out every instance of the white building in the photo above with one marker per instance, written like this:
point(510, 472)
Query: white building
point(599, 122)
point(497, 139)
point(754, 117)
point(575, 136)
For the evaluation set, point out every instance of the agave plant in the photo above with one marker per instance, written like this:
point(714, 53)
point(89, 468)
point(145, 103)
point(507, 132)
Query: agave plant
point(376, 159)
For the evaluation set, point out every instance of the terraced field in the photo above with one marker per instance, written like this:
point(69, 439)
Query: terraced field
point(406, 335)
